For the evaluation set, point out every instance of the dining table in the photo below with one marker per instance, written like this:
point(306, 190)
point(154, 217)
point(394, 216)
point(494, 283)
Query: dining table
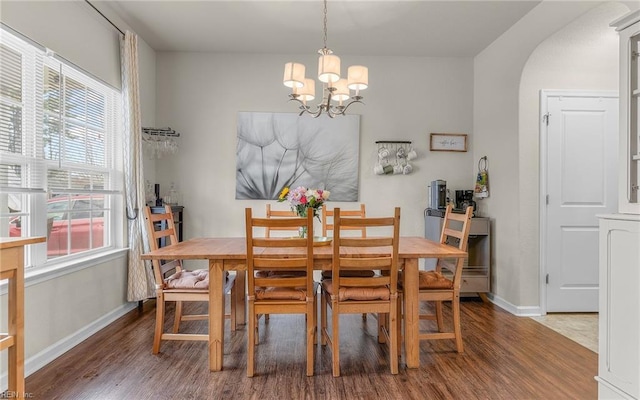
point(230, 254)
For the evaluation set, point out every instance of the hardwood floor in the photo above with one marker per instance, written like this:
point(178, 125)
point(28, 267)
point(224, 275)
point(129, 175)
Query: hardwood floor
point(506, 357)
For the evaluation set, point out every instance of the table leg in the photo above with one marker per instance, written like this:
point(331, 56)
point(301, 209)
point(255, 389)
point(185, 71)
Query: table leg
point(216, 315)
point(411, 317)
point(241, 305)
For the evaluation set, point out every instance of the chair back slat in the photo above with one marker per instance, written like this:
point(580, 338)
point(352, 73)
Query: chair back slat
point(279, 242)
point(383, 263)
point(366, 242)
point(279, 263)
point(354, 281)
point(170, 233)
point(328, 225)
point(281, 282)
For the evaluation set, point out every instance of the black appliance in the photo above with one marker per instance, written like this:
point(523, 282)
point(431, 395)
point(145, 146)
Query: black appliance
point(464, 199)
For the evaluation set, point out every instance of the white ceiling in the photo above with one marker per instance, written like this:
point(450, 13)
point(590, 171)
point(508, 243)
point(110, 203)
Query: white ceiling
point(369, 28)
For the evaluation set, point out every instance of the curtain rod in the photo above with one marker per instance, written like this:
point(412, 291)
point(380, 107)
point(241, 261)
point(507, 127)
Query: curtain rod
point(103, 16)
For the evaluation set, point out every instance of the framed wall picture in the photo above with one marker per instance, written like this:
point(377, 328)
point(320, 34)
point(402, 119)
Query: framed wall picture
point(275, 150)
point(448, 142)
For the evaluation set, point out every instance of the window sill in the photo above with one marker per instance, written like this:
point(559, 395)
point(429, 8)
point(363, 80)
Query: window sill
point(34, 276)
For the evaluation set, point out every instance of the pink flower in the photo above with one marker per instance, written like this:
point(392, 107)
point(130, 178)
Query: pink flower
point(302, 199)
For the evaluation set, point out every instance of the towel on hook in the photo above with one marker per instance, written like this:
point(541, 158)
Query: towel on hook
point(482, 180)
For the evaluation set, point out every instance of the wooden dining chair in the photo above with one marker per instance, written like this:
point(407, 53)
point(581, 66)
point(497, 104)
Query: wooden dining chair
point(182, 285)
point(281, 293)
point(437, 287)
point(363, 294)
point(327, 229)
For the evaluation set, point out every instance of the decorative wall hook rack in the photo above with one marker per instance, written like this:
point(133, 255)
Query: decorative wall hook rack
point(394, 157)
point(160, 141)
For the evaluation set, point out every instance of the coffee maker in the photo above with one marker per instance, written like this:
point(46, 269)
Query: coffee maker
point(464, 199)
point(438, 195)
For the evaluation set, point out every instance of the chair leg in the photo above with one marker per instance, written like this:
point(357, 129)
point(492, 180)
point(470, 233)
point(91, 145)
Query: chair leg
point(234, 300)
point(456, 322)
point(178, 317)
point(393, 340)
point(157, 337)
point(315, 319)
point(364, 316)
point(311, 334)
point(251, 340)
point(382, 323)
point(399, 331)
point(335, 338)
point(439, 318)
point(323, 318)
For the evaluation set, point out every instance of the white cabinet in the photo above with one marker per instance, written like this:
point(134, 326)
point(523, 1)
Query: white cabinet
point(619, 258)
point(629, 177)
point(619, 317)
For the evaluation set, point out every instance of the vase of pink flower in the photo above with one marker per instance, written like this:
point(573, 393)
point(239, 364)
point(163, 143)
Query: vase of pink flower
point(302, 199)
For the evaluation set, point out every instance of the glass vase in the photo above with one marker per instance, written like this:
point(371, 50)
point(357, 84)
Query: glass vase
point(302, 232)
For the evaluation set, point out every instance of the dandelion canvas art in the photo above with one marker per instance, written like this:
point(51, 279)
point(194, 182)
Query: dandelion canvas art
point(277, 150)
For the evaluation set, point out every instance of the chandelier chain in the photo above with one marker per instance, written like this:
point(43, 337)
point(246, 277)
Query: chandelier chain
point(325, 24)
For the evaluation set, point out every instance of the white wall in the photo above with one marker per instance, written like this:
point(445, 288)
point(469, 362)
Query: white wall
point(200, 94)
point(544, 50)
point(147, 77)
point(73, 30)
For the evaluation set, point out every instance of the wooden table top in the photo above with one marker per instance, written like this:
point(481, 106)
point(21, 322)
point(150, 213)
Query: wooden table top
point(7, 242)
point(235, 249)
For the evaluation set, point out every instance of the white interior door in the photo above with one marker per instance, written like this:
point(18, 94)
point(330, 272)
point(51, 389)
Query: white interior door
point(580, 157)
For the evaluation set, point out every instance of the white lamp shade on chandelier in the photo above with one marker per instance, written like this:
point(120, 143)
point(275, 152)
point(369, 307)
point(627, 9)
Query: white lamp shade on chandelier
point(334, 88)
point(358, 77)
point(294, 75)
point(308, 91)
point(328, 68)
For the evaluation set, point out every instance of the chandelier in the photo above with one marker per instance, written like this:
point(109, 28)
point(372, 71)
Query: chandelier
point(336, 91)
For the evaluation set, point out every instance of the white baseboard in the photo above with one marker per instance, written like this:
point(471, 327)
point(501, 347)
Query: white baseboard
point(57, 349)
point(520, 311)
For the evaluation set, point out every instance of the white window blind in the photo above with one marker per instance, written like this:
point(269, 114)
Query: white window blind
point(59, 131)
point(19, 140)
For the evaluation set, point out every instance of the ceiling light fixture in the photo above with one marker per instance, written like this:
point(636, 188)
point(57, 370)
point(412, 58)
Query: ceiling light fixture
point(334, 88)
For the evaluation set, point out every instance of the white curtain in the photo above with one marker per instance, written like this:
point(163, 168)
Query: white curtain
point(140, 279)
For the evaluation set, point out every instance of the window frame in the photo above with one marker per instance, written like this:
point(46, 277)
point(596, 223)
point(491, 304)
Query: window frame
point(34, 199)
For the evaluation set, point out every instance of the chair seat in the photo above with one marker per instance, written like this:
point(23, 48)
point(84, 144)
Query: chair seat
point(359, 293)
point(279, 274)
point(430, 280)
point(433, 280)
point(350, 274)
point(197, 279)
point(283, 293)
